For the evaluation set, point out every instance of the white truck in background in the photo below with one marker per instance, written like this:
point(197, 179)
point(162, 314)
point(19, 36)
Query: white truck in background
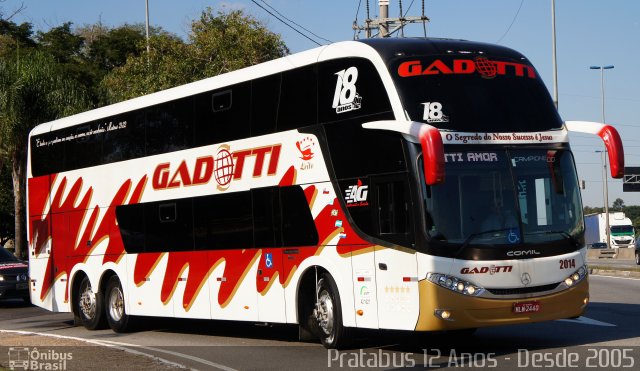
point(622, 231)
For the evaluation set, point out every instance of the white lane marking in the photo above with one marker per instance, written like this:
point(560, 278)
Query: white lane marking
point(588, 321)
point(127, 348)
point(177, 354)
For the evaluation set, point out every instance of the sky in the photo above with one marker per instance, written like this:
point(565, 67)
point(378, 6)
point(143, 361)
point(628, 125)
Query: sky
point(588, 33)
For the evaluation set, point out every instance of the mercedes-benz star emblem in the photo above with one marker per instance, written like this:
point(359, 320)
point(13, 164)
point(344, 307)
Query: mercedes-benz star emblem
point(525, 279)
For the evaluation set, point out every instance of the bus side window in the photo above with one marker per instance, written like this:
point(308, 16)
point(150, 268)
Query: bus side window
point(266, 231)
point(47, 154)
point(124, 137)
point(169, 225)
point(298, 227)
point(131, 221)
point(169, 126)
point(83, 147)
point(223, 221)
point(265, 94)
point(298, 99)
point(224, 115)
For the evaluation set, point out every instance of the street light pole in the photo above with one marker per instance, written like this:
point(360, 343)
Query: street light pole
point(603, 157)
point(147, 27)
point(553, 48)
point(602, 68)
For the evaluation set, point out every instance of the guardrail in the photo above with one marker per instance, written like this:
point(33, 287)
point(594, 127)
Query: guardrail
point(621, 253)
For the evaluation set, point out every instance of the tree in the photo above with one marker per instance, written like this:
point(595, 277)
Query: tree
point(61, 43)
point(112, 48)
point(218, 43)
point(7, 218)
point(33, 92)
point(618, 205)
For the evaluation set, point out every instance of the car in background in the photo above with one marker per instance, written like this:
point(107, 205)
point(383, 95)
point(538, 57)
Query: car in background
point(599, 245)
point(14, 277)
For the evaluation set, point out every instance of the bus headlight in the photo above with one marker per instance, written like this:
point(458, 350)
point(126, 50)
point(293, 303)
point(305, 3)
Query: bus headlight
point(576, 277)
point(455, 284)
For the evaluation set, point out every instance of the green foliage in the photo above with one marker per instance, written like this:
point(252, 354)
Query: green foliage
point(32, 92)
point(112, 48)
point(60, 43)
point(20, 33)
point(618, 205)
point(218, 43)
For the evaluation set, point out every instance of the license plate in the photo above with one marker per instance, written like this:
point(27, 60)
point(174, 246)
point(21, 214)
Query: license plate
point(22, 286)
point(526, 307)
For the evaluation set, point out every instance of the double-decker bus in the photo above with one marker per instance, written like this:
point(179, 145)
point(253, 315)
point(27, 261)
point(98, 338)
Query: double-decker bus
point(408, 184)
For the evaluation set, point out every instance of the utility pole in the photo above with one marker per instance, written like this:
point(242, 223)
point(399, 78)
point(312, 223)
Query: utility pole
point(384, 17)
point(385, 25)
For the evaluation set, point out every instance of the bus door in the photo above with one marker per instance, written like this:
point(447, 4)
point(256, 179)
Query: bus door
point(396, 265)
point(39, 190)
point(266, 221)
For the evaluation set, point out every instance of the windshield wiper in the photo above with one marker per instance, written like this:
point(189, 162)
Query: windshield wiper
point(473, 236)
point(564, 234)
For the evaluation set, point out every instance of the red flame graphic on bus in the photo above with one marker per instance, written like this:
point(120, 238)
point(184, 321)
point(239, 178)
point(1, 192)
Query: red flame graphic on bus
point(62, 225)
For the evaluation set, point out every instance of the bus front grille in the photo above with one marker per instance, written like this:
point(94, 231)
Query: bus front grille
point(524, 290)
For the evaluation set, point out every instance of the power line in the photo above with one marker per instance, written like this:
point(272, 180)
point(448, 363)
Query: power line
point(512, 22)
point(285, 23)
point(285, 17)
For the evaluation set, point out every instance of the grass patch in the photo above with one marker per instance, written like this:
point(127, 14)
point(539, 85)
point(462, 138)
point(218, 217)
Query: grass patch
point(613, 268)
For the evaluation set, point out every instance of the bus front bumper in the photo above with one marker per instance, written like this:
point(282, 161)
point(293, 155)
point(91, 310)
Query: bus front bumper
point(472, 312)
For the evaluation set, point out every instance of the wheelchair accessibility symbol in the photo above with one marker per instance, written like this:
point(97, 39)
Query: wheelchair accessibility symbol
point(513, 236)
point(268, 260)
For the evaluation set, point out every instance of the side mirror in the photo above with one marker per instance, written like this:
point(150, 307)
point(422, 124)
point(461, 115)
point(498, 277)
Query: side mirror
point(611, 139)
point(432, 154)
point(430, 140)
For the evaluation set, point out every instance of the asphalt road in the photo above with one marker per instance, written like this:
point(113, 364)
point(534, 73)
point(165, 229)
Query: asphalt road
point(607, 337)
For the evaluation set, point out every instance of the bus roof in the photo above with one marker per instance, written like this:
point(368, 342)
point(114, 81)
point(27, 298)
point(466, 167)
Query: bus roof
point(377, 50)
point(433, 46)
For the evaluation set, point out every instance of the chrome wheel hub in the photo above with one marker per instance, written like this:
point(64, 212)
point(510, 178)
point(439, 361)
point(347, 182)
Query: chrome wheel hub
point(116, 304)
point(87, 301)
point(324, 313)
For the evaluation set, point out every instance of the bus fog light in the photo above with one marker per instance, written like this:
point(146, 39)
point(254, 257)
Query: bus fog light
point(586, 300)
point(444, 314)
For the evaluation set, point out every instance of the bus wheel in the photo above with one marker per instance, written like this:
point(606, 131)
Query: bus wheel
point(328, 314)
point(89, 306)
point(117, 317)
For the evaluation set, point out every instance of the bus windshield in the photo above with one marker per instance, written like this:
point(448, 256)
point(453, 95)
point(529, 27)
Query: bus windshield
point(505, 197)
point(471, 93)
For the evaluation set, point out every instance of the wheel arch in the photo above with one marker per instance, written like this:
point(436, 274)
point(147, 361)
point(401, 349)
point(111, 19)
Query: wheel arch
point(77, 278)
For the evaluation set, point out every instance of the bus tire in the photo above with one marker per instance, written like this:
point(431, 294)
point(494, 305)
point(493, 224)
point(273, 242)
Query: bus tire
point(89, 306)
point(327, 315)
point(118, 319)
